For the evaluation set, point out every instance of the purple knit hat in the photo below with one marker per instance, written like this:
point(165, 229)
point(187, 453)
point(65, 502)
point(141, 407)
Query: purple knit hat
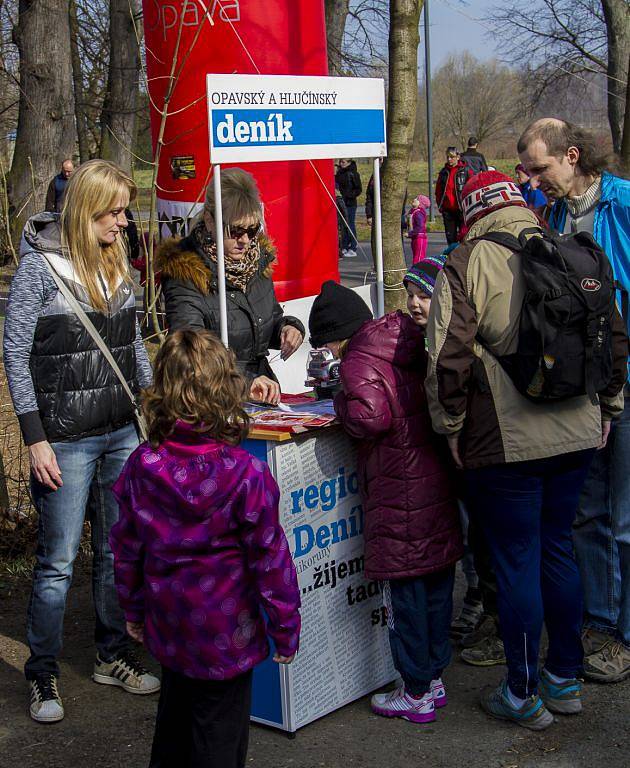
point(425, 272)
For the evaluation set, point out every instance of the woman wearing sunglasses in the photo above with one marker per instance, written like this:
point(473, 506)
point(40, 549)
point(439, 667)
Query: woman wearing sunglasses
point(256, 321)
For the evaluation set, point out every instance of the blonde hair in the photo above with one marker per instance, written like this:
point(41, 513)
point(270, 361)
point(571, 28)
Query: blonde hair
point(240, 198)
point(196, 381)
point(93, 190)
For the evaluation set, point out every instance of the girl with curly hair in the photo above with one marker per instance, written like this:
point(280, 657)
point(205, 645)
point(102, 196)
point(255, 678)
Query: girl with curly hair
point(199, 553)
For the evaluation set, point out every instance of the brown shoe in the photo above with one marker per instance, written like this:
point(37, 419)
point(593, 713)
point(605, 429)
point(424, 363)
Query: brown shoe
point(487, 653)
point(610, 664)
point(486, 627)
point(594, 640)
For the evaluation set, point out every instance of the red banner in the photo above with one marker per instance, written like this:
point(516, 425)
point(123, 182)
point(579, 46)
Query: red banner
point(246, 37)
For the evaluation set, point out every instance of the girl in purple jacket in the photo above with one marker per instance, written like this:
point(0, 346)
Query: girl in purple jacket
point(417, 231)
point(412, 534)
point(199, 553)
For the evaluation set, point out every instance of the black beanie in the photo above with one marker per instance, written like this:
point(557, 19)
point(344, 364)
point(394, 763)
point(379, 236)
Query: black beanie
point(336, 314)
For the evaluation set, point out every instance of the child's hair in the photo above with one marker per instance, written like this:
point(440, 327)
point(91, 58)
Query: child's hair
point(343, 348)
point(196, 381)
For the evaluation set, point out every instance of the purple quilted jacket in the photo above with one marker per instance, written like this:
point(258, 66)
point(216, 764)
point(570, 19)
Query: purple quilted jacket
point(411, 518)
point(199, 552)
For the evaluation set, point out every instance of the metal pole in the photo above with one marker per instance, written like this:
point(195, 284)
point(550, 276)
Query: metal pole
point(218, 236)
point(378, 229)
point(427, 83)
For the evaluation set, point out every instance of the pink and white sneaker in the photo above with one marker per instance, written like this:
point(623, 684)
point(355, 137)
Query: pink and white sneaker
point(398, 703)
point(439, 693)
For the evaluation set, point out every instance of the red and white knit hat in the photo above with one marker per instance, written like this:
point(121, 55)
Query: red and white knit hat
point(486, 192)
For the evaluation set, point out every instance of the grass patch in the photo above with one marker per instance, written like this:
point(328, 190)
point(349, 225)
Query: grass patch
point(19, 567)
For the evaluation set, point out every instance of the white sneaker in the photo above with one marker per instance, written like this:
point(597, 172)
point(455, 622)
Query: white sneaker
point(126, 672)
point(45, 706)
point(398, 703)
point(439, 693)
point(350, 254)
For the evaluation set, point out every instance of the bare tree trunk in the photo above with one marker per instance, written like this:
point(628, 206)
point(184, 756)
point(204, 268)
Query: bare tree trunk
point(336, 15)
point(120, 110)
point(402, 100)
point(617, 15)
point(79, 108)
point(45, 131)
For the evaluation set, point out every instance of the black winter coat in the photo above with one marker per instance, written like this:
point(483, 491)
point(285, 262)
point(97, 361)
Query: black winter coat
point(255, 319)
point(474, 160)
point(349, 183)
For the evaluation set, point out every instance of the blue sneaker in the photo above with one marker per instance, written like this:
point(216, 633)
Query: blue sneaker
point(562, 698)
point(533, 714)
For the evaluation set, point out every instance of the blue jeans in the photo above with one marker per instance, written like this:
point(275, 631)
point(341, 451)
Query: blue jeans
point(419, 612)
point(526, 511)
point(89, 467)
point(602, 535)
point(350, 238)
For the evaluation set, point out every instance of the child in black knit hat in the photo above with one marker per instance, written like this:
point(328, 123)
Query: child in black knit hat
point(412, 535)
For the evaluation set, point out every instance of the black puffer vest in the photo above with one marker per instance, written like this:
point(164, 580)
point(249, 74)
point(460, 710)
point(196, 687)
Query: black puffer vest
point(78, 393)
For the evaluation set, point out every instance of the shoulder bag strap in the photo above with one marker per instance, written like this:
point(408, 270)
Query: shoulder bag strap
point(89, 327)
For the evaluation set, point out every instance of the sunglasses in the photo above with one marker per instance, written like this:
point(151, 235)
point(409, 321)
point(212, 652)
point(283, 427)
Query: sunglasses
point(253, 231)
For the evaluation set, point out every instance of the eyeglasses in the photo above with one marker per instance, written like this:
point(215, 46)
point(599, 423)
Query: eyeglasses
point(253, 231)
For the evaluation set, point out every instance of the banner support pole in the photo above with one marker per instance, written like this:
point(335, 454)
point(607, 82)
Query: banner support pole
point(378, 226)
point(218, 236)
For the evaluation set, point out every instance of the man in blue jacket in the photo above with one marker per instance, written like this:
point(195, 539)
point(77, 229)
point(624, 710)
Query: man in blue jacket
point(565, 162)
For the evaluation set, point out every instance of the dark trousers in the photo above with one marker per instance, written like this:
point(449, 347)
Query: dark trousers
point(482, 560)
point(453, 221)
point(350, 241)
point(202, 723)
point(419, 613)
point(526, 510)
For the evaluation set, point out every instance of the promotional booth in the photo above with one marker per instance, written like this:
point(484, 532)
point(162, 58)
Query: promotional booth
point(344, 652)
point(344, 649)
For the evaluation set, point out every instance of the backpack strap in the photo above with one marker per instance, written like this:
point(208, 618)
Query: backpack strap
point(510, 241)
point(624, 300)
point(503, 238)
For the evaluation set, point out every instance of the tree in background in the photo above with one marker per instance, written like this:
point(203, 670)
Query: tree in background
point(474, 98)
point(89, 45)
point(617, 16)
point(356, 31)
point(336, 15)
point(553, 40)
point(404, 18)
point(9, 89)
point(120, 107)
point(46, 128)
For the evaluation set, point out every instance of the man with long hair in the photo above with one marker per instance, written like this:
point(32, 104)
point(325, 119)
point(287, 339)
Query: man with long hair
point(567, 164)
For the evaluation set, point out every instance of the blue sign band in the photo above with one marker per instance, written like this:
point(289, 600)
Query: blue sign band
point(294, 127)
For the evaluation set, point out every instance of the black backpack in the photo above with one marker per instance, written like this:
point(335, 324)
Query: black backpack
point(565, 334)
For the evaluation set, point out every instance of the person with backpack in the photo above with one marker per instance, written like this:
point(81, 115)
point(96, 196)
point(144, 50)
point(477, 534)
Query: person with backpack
point(474, 159)
point(525, 456)
point(567, 163)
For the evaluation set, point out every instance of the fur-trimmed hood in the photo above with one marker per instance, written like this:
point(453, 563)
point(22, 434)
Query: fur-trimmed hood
point(179, 259)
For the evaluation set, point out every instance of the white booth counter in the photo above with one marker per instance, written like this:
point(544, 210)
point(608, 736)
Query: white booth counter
point(344, 649)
